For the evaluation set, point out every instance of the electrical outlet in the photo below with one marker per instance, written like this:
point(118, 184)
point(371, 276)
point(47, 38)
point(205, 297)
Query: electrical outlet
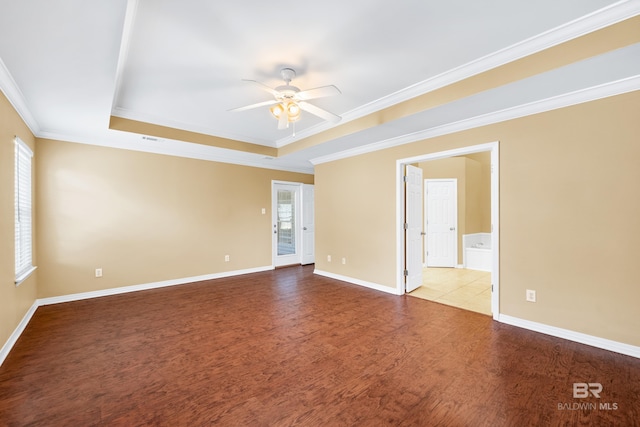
point(344, 261)
point(531, 295)
point(226, 258)
point(98, 272)
point(264, 211)
point(328, 258)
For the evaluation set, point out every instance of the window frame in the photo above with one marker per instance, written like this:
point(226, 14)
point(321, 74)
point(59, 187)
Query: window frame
point(23, 214)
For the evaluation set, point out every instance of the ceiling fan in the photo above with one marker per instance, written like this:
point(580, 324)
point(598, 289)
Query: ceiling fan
point(290, 101)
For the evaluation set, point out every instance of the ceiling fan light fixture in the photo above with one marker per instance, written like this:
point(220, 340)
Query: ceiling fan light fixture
point(290, 101)
point(293, 111)
point(276, 110)
point(290, 109)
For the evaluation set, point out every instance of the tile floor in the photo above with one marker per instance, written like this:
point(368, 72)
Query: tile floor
point(458, 287)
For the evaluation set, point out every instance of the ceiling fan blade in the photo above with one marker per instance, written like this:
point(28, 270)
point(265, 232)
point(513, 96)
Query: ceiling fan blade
point(263, 87)
point(317, 111)
point(283, 121)
point(318, 92)
point(259, 104)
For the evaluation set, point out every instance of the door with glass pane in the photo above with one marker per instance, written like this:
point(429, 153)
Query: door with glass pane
point(286, 219)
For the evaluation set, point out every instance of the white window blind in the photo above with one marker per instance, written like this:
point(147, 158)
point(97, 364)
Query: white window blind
point(23, 215)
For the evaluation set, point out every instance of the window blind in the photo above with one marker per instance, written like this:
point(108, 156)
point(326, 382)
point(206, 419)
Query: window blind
point(23, 211)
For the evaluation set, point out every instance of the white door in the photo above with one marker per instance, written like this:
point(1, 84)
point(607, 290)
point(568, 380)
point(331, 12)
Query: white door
point(286, 220)
point(413, 228)
point(441, 217)
point(308, 225)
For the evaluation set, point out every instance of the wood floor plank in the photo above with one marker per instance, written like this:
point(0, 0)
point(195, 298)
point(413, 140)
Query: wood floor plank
point(287, 347)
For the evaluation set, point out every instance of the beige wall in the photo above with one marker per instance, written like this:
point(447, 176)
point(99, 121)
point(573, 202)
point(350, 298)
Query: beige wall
point(479, 190)
point(568, 214)
point(146, 217)
point(15, 301)
point(140, 217)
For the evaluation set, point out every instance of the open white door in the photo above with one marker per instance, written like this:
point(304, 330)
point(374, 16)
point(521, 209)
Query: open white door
point(308, 225)
point(441, 222)
point(413, 228)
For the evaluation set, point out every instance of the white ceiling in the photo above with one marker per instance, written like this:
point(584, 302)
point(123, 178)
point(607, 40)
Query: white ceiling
point(67, 65)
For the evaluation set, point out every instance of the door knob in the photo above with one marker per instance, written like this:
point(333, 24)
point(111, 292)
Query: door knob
point(452, 228)
point(422, 233)
point(304, 228)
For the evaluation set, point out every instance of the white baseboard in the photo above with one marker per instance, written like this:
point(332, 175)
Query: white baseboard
point(602, 343)
point(615, 346)
point(6, 348)
point(147, 286)
point(359, 282)
point(424, 265)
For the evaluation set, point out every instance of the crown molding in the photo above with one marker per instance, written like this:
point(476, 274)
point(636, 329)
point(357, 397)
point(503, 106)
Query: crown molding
point(606, 90)
point(586, 24)
point(16, 98)
point(604, 17)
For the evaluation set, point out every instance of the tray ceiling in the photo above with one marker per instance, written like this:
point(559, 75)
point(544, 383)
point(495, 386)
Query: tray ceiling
point(161, 75)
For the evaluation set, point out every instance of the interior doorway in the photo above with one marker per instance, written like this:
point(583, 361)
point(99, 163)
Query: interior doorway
point(404, 251)
point(292, 223)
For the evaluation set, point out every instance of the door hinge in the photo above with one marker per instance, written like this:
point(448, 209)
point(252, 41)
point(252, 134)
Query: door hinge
point(406, 273)
point(492, 288)
point(406, 226)
point(405, 178)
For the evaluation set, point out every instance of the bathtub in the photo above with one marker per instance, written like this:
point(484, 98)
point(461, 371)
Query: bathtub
point(477, 251)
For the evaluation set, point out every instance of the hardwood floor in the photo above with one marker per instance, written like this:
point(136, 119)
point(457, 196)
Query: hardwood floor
point(287, 347)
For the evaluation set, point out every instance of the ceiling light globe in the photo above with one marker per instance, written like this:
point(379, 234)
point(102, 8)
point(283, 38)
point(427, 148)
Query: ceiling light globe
point(293, 109)
point(293, 112)
point(276, 110)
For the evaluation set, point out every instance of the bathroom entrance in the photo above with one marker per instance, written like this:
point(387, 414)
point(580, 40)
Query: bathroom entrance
point(468, 278)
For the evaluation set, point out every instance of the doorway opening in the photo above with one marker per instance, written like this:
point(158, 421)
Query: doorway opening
point(450, 235)
point(293, 222)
